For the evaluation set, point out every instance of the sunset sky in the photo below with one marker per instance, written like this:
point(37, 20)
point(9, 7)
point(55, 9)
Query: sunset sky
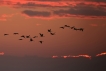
point(31, 17)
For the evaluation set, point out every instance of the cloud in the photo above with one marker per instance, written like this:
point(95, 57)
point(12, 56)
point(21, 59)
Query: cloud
point(83, 9)
point(4, 17)
point(94, 25)
point(73, 9)
point(85, 56)
point(73, 56)
point(1, 53)
point(38, 24)
point(77, 56)
point(36, 13)
point(101, 54)
point(78, 11)
point(55, 56)
point(96, 0)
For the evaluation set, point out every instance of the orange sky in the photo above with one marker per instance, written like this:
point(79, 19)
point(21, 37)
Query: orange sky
point(33, 17)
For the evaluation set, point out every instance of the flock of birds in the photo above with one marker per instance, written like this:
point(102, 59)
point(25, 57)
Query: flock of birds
point(73, 27)
point(42, 35)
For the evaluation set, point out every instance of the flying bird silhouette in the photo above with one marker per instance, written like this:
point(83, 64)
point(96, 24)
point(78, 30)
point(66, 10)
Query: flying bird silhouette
point(20, 39)
point(41, 42)
point(23, 36)
point(62, 27)
point(52, 33)
point(35, 36)
point(81, 29)
point(76, 29)
point(15, 33)
point(66, 26)
point(28, 36)
point(31, 39)
point(6, 34)
point(41, 35)
point(49, 30)
point(72, 27)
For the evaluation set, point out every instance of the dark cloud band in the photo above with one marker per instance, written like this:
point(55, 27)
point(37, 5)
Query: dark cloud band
point(32, 13)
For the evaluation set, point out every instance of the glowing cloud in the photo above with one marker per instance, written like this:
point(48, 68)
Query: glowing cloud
point(59, 8)
point(1, 53)
point(101, 54)
point(4, 17)
point(94, 25)
point(86, 56)
point(66, 56)
point(54, 56)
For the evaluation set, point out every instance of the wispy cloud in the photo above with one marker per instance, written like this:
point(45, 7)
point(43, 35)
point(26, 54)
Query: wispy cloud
point(36, 13)
point(86, 9)
point(4, 17)
point(94, 25)
point(77, 56)
point(55, 56)
point(73, 56)
point(101, 54)
point(1, 53)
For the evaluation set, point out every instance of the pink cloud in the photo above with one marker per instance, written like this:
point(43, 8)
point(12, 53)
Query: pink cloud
point(77, 56)
point(101, 54)
point(4, 17)
point(94, 25)
point(73, 56)
point(55, 56)
point(82, 9)
point(38, 24)
point(85, 56)
point(1, 53)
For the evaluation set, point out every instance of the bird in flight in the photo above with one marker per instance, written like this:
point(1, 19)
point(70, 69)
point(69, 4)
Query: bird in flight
point(52, 33)
point(23, 36)
point(62, 27)
point(72, 27)
point(66, 26)
point(6, 34)
point(15, 33)
point(49, 30)
point(41, 35)
point(20, 39)
point(28, 36)
point(41, 42)
point(76, 29)
point(31, 39)
point(81, 29)
point(35, 36)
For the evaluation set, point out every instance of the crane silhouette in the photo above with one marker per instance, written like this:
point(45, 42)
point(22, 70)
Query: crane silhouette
point(6, 34)
point(52, 33)
point(49, 30)
point(28, 36)
point(72, 27)
point(23, 36)
point(35, 36)
point(76, 29)
point(81, 29)
point(15, 33)
point(41, 42)
point(41, 35)
point(62, 27)
point(66, 26)
point(20, 39)
point(31, 39)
